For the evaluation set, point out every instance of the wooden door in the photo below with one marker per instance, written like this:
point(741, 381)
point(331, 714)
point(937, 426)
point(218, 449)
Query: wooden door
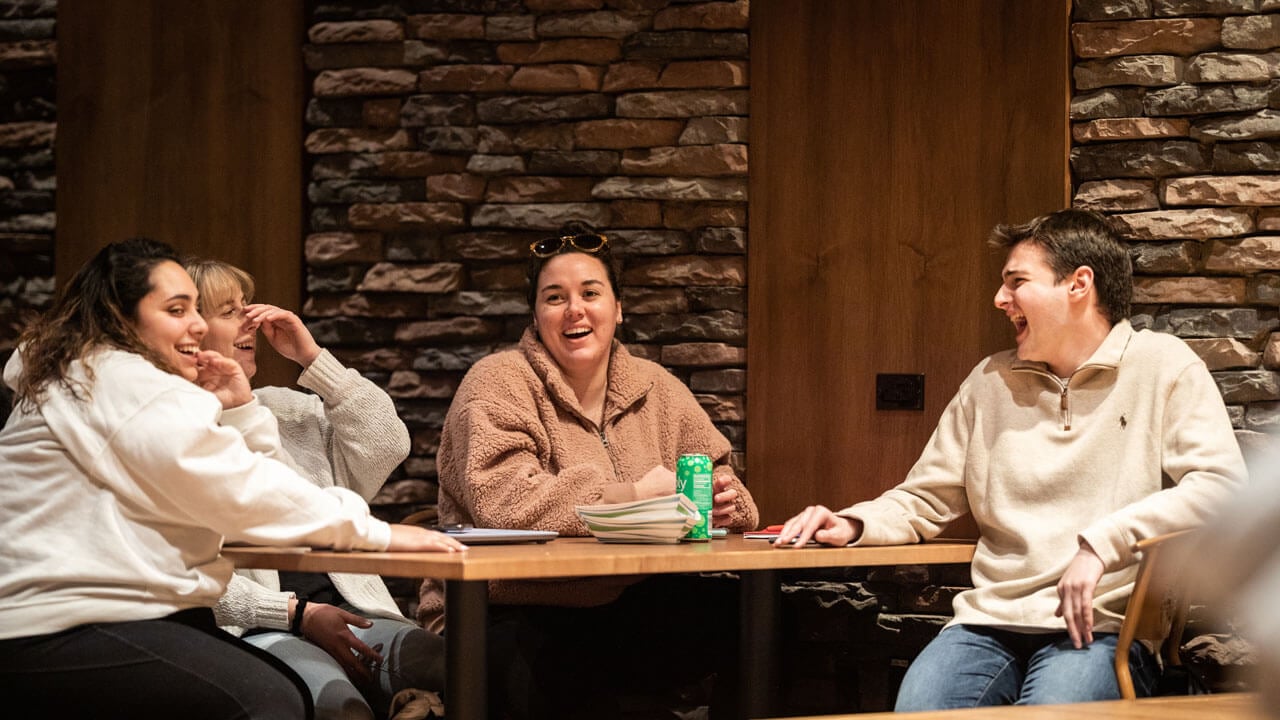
point(888, 137)
point(182, 121)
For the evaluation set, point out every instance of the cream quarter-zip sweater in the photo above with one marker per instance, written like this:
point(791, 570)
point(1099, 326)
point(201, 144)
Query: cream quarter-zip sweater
point(1134, 444)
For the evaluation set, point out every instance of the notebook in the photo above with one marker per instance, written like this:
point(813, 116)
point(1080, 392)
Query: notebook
point(499, 536)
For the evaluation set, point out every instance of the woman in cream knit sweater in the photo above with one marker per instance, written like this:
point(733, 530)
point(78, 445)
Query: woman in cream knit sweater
point(352, 646)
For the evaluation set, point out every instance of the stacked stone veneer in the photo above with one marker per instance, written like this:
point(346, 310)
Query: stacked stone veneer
point(27, 69)
point(443, 137)
point(1176, 134)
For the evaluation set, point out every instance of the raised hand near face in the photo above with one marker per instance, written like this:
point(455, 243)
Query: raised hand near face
point(223, 377)
point(285, 331)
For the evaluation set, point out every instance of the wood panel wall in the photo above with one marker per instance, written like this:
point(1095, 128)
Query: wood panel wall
point(182, 121)
point(887, 139)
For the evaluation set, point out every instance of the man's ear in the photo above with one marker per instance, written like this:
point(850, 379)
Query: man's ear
point(1081, 282)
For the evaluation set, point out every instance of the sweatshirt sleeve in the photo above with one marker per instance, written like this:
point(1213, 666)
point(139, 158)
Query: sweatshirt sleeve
point(931, 496)
point(368, 438)
point(257, 426)
point(1200, 456)
point(184, 465)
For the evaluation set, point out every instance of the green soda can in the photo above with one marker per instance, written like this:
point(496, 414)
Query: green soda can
point(693, 480)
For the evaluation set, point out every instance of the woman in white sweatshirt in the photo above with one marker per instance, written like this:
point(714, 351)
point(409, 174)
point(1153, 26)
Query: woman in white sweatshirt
point(347, 434)
point(130, 456)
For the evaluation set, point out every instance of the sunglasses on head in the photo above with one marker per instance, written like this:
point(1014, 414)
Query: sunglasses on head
point(584, 242)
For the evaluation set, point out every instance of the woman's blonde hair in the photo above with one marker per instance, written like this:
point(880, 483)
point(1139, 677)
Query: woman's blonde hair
point(218, 282)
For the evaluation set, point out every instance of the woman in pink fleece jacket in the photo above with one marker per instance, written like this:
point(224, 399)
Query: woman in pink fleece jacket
point(569, 418)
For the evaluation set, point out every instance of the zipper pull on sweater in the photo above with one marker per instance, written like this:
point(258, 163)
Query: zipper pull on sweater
point(1065, 405)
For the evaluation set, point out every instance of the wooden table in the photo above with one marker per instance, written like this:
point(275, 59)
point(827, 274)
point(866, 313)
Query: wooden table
point(466, 577)
point(1236, 706)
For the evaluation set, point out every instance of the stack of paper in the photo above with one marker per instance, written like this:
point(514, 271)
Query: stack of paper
point(655, 520)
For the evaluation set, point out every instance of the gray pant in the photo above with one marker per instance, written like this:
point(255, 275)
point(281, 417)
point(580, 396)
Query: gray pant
point(411, 658)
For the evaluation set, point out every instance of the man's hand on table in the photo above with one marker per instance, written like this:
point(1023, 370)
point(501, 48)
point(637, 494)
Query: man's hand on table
point(818, 523)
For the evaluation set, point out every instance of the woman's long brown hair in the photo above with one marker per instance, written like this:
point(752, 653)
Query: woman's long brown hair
point(98, 308)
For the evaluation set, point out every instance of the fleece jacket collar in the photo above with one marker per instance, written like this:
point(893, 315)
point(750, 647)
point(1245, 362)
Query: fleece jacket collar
point(625, 386)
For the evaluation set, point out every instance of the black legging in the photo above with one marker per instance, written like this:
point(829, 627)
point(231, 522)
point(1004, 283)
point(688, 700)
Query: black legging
point(177, 666)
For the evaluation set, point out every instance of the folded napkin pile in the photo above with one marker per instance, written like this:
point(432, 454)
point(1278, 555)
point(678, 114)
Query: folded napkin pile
point(663, 519)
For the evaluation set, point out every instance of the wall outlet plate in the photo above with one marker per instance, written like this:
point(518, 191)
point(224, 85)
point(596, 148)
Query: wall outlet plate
point(899, 391)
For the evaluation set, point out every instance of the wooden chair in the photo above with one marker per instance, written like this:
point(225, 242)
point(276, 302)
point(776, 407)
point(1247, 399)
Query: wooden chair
point(1157, 609)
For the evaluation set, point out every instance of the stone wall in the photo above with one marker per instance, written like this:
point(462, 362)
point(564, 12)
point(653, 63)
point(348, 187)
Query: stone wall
point(27, 104)
point(1176, 134)
point(445, 135)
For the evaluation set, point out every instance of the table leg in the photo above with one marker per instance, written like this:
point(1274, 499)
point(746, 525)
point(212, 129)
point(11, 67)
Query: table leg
point(758, 638)
point(466, 619)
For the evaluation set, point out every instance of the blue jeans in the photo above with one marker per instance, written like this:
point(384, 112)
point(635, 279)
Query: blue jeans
point(975, 666)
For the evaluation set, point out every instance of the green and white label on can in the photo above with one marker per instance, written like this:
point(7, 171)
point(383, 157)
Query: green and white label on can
point(693, 480)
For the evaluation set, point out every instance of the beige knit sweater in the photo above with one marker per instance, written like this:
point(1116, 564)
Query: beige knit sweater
point(517, 451)
point(1136, 443)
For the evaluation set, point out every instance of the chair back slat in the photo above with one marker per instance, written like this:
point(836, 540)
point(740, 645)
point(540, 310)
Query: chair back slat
point(1157, 609)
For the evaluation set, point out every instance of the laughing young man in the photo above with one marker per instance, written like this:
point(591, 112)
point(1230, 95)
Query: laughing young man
point(1088, 437)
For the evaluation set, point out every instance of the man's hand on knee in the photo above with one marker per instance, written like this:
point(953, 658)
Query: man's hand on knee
point(1075, 594)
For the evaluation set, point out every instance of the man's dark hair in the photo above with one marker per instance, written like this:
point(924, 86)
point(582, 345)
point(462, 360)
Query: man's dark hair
point(1075, 238)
